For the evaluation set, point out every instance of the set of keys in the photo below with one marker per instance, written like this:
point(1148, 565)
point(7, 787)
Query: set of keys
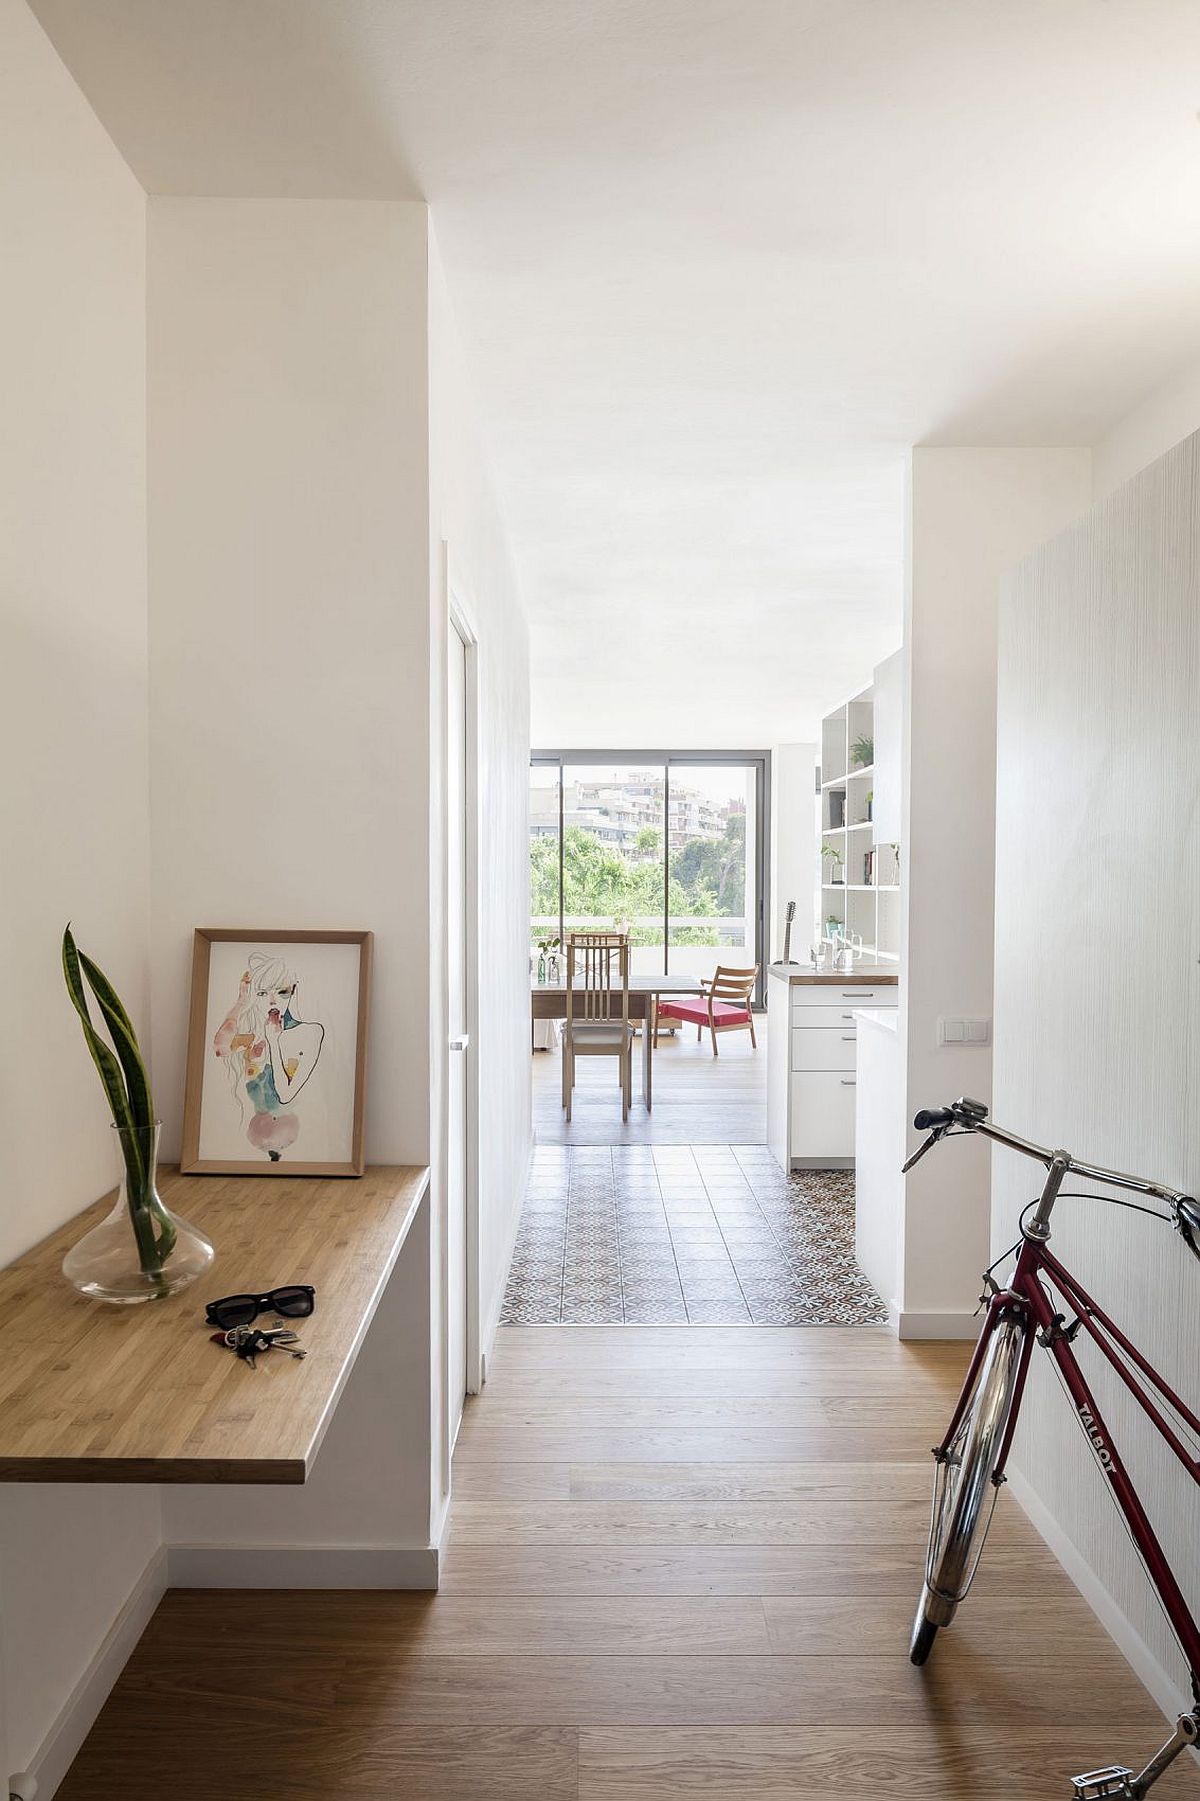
point(249, 1342)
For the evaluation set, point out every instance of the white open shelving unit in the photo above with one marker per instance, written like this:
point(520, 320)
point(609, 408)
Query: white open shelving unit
point(860, 876)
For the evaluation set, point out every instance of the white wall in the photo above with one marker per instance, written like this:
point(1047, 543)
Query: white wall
point(72, 467)
point(793, 847)
point(289, 656)
point(1161, 420)
point(972, 514)
point(469, 547)
point(1098, 985)
point(75, 819)
point(289, 719)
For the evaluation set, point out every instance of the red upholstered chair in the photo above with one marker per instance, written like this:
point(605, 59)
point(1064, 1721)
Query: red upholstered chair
point(724, 1006)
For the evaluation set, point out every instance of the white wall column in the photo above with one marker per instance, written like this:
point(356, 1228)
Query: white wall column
point(793, 846)
point(290, 744)
point(971, 515)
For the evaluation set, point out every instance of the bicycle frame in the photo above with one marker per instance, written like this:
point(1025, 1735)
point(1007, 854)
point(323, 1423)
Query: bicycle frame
point(1028, 1296)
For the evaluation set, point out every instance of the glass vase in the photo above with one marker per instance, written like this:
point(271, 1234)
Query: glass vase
point(141, 1251)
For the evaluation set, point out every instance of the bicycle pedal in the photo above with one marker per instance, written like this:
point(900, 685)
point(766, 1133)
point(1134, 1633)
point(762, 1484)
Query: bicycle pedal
point(1109, 1784)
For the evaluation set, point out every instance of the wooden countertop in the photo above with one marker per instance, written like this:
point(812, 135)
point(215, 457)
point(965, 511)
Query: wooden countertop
point(872, 975)
point(90, 1392)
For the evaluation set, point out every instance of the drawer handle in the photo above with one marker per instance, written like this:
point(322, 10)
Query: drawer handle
point(849, 1037)
point(849, 1081)
point(867, 994)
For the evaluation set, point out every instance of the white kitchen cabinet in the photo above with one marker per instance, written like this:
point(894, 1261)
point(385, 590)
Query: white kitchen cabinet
point(818, 1048)
point(812, 1033)
point(822, 1117)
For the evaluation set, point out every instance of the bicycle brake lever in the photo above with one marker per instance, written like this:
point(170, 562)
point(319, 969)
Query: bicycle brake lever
point(918, 1154)
point(1187, 1223)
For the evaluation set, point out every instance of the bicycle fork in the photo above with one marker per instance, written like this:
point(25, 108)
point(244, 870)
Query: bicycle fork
point(1117, 1783)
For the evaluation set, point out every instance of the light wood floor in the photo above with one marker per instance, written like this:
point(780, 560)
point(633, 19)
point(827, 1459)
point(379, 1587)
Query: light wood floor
point(698, 1098)
point(682, 1568)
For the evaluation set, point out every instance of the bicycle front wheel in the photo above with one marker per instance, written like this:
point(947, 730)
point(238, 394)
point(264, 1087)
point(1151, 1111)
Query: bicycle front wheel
point(964, 1493)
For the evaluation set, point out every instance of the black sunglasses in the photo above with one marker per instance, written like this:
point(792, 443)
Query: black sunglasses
point(293, 1302)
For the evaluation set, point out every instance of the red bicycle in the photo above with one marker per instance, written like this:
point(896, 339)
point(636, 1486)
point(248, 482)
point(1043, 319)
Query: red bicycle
point(972, 1455)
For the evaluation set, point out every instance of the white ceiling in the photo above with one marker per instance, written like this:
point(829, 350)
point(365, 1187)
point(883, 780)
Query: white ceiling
point(716, 263)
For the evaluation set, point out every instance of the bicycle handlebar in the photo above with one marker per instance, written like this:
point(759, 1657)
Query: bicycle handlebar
point(972, 1116)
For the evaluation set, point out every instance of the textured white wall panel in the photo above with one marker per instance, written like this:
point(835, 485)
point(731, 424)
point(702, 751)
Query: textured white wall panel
point(1097, 983)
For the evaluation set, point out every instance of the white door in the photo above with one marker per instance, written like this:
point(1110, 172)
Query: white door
point(457, 1172)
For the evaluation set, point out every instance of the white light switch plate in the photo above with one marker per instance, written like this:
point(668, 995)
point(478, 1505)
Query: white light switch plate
point(964, 1031)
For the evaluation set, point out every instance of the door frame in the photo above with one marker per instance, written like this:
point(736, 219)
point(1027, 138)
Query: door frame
point(459, 615)
point(679, 759)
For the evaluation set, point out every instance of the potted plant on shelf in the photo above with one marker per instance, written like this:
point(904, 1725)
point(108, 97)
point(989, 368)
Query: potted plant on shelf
point(141, 1251)
point(862, 752)
point(833, 857)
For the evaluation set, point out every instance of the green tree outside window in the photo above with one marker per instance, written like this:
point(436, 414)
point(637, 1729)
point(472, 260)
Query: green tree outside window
point(707, 881)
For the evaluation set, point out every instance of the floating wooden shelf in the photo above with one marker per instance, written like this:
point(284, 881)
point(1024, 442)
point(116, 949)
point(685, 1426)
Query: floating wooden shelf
point(95, 1393)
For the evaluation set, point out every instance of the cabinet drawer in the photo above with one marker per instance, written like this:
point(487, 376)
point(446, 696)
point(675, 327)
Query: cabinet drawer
point(822, 1115)
point(824, 1049)
point(852, 994)
point(827, 1019)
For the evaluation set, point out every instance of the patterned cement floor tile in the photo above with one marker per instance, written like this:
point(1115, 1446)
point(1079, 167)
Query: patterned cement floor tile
point(671, 1235)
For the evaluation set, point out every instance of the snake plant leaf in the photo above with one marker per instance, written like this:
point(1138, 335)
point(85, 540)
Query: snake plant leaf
point(109, 1070)
point(102, 1057)
point(124, 1038)
point(128, 1090)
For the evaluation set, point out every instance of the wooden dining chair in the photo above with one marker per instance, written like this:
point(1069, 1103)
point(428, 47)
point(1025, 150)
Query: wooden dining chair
point(598, 1023)
point(723, 1005)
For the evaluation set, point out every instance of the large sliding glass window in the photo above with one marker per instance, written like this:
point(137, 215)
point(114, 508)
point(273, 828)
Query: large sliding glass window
point(715, 877)
point(670, 846)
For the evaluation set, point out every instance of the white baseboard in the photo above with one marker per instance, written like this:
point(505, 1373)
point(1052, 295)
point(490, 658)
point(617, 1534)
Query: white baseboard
point(1164, 1691)
point(936, 1325)
point(75, 1721)
point(303, 1566)
point(441, 1533)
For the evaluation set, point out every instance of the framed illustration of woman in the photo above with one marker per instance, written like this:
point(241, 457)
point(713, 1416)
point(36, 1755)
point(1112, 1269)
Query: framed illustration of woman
point(276, 1064)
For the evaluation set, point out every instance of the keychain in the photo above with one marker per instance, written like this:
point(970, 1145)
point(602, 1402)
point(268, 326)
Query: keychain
point(247, 1342)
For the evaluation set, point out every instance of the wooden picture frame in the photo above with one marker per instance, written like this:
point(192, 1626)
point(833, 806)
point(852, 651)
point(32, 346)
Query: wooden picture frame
point(238, 1056)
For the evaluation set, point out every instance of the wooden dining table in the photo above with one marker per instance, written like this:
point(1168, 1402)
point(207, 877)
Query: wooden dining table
point(549, 1001)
